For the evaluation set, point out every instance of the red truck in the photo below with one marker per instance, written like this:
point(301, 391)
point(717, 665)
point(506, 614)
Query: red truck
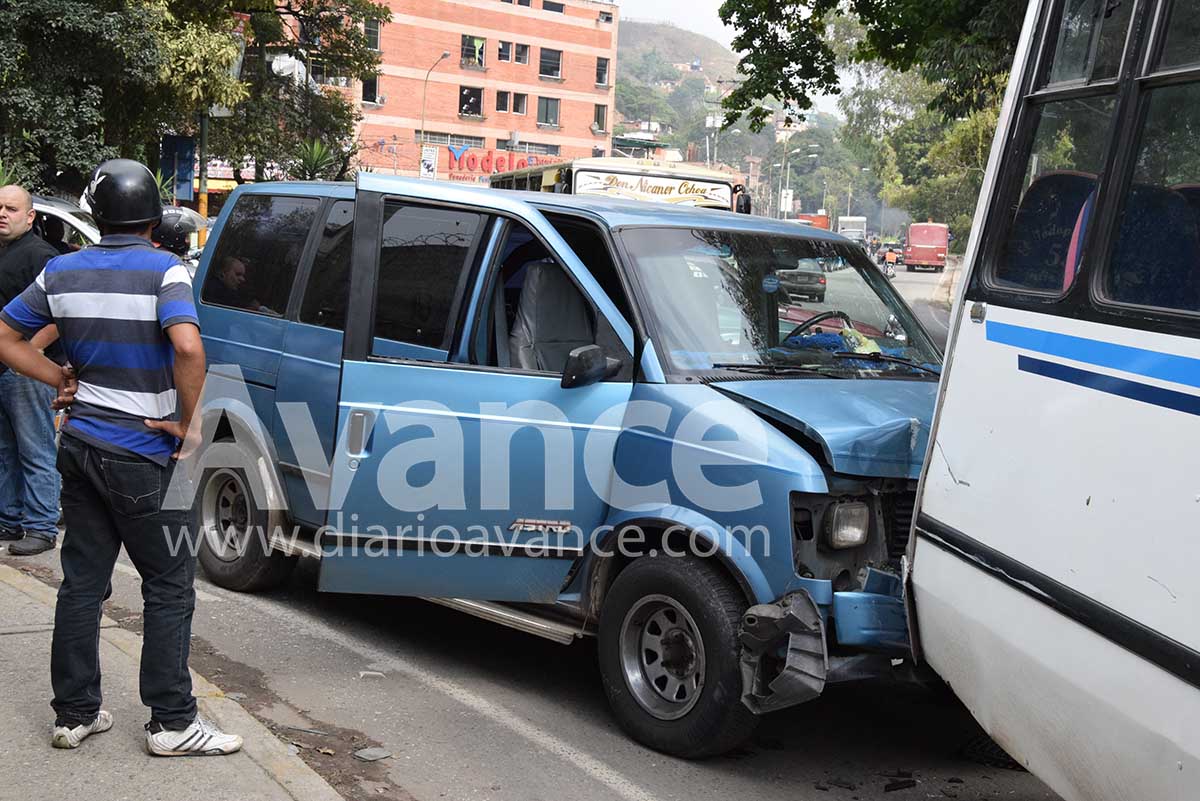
point(927, 246)
point(815, 220)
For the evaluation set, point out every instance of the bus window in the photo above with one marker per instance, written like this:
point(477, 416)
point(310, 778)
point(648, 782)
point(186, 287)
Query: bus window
point(1090, 40)
point(1182, 47)
point(1156, 260)
point(1041, 250)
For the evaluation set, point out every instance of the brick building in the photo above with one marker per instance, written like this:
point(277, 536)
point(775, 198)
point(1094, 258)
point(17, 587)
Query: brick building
point(525, 81)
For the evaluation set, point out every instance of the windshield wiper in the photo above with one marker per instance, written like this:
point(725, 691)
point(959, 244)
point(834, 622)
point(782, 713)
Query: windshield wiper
point(771, 369)
point(883, 357)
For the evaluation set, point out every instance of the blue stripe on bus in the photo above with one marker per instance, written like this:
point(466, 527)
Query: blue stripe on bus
point(1133, 390)
point(1149, 363)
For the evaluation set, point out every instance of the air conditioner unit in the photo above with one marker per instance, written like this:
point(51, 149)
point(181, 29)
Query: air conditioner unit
point(514, 138)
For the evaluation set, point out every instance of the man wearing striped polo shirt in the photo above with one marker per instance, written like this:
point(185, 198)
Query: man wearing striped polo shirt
point(127, 322)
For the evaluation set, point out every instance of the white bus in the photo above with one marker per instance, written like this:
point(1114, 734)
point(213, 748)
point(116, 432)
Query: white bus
point(635, 179)
point(1053, 575)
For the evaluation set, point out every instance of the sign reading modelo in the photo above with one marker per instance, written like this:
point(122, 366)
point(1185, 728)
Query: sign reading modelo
point(465, 159)
point(685, 191)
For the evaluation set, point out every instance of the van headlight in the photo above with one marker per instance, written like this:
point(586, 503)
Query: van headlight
point(848, 525)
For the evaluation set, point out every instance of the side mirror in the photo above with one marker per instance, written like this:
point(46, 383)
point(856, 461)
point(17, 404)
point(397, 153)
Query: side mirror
point(742, 205)
point(588, 365)
point(894, 330)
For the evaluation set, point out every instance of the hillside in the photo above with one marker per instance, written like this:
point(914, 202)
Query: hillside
point(674, 45)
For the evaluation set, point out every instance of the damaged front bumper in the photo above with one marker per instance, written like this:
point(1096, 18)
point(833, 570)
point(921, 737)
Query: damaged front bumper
point(785, 644)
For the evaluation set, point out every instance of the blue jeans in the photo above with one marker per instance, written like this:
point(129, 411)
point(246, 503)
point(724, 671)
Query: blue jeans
point(29, 484)
point(110, 500)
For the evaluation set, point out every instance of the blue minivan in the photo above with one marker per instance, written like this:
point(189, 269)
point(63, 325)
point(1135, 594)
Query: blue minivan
point(579, 417)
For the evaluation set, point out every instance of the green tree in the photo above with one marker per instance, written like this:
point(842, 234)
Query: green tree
point(961, 47)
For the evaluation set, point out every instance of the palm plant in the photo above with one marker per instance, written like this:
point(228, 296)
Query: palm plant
point(314, 161)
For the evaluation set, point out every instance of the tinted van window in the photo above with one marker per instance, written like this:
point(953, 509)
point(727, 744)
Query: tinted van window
point(423, 261)
point(258, 253)
point(328, 288)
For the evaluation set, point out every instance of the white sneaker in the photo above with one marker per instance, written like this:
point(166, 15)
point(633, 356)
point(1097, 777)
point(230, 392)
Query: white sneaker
point(202, 738)
point(67, 737)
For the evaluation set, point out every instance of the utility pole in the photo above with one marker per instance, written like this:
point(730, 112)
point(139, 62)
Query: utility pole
point(202, 199)
point(425, 90)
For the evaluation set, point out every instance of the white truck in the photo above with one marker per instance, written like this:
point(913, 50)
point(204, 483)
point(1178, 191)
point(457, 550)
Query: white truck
point(853, 227)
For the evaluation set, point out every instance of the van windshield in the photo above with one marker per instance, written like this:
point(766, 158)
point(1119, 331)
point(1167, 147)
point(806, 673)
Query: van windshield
point(768, 303)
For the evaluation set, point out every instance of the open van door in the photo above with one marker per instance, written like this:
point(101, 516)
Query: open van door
point(1052, 581)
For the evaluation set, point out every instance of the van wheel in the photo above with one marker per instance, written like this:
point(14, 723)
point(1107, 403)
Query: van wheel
point(233, 530)
point(669, 657)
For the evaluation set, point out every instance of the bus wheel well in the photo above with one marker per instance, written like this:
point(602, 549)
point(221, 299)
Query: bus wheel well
point(224, 430)
point(623, 546)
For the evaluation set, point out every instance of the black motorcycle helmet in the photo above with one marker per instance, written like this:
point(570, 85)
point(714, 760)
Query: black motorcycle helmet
point(174, 231)
point(124, 192)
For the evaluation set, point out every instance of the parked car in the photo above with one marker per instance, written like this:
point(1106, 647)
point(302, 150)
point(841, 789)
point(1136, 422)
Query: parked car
point(576, 416)
point(64, 224)
point(807, 281)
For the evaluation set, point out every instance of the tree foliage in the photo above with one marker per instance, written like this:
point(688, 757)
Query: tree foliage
point(961, 47)
point(86, 80)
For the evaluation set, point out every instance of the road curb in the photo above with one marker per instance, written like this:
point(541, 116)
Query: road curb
point(263, 748)
point(944, 293)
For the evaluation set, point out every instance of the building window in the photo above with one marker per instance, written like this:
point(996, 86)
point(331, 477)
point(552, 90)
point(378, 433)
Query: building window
point(602, 72)
point(526, 3)
point(600, 118)
point(371, 29)
point(520, 103)
point(550, 65)
point(472, 51)
point(502, 101)
point(320, 74)
point(470, 101)
point(522, 54)
point(550, 5)
point(606, 16)
point(443, 138)
point(527, 147)
point(548, 111)
point(370, 89)
point(505, 53)
point(597, 152)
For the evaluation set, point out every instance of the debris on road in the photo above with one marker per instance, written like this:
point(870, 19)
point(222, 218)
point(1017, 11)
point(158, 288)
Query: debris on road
point(372, 754)
point(306, 731)
point(236, 696)
point(371, 674)
point(899, 784)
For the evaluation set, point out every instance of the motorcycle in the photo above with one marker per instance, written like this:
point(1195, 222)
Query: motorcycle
point(889, 270)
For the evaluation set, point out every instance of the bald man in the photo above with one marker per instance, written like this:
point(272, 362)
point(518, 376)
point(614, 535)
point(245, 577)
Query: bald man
point(29, 482)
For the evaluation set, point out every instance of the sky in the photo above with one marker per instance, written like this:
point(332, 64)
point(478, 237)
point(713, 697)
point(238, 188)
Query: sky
point(693, 15)
point(699, 16)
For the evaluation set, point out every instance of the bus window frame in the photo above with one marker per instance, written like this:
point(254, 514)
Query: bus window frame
point(1035, 93)
point(1140, 93)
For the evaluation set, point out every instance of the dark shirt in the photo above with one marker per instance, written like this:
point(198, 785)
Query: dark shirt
point(20, 263)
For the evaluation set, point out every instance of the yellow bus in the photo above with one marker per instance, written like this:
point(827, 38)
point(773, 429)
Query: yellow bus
point(635, 179)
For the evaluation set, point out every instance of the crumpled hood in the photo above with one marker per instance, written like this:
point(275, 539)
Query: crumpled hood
point(865, 427)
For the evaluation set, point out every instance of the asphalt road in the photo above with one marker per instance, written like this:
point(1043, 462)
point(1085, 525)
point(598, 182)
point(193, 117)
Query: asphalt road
point(932, 307)
point(470, 710)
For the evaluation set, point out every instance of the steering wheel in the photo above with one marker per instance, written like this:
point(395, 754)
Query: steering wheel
point(816, 318)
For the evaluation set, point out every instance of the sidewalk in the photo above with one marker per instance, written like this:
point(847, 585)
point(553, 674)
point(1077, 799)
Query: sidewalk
point(114, 765)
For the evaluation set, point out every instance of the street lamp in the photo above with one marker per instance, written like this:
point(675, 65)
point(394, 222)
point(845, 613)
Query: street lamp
point(786, 169)
point(424, 90)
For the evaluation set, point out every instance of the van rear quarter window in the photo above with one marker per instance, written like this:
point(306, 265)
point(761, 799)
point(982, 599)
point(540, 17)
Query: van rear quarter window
point(423, 258)
point(259, 251)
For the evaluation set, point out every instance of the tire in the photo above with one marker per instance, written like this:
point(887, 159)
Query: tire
point(694, 601)
point(908, 268)
point(820, 298)
point(239, 560)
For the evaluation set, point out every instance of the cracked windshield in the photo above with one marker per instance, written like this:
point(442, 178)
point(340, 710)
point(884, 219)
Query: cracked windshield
point(754, 302)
